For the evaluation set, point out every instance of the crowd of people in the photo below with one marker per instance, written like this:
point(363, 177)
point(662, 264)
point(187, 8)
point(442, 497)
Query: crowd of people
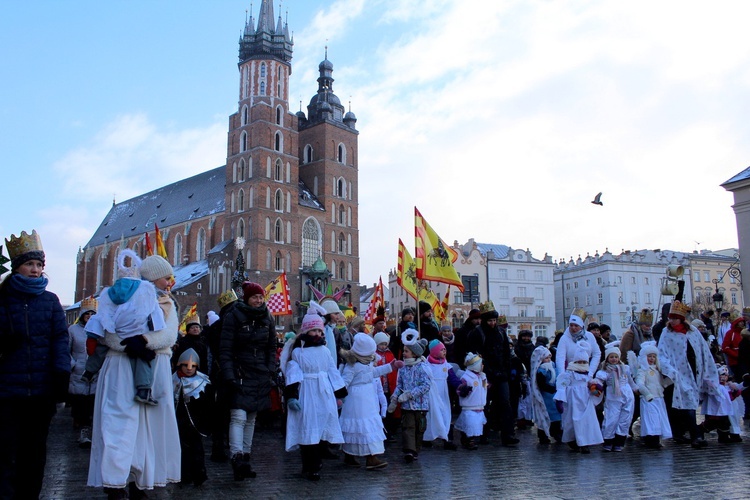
point(145, 397)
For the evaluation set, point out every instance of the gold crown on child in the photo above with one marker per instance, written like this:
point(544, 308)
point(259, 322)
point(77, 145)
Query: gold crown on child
point(24, 243)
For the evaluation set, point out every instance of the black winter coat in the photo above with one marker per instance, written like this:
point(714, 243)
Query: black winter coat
point(247, 355)
point(494, 347)
point(34, 356)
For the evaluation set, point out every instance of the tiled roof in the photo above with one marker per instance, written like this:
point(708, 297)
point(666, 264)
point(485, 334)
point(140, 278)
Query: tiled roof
point(745, 174)
point(501, 251)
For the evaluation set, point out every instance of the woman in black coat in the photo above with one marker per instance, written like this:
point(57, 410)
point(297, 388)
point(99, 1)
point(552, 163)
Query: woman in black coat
point(34, 367)
point(247, 355)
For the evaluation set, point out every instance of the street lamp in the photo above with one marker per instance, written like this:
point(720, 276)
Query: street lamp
point(718, 297)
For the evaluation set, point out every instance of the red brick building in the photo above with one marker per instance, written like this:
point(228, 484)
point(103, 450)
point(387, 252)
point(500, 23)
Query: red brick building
point(286, 200)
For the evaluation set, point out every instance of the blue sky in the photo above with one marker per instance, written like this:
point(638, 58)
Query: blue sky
point(500, 120)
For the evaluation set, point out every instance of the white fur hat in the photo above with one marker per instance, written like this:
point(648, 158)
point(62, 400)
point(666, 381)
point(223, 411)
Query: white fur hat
point(381, 337)
point(582, 351)
point(330, 306)
point(364, 345)
point(649, 347)
point(212, 317)
point(612, 348)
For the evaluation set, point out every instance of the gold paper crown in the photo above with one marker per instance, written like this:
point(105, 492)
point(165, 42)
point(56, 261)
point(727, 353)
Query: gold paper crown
point(746, 309)
point(227, 298)
point(502, 320)
point(524, 326)
point(486, 307)
point(89, 304)
point(193, 318)
point(390, 322)
point(25, 243)
point(646, 317)
point(578, 311)
point(679, 309)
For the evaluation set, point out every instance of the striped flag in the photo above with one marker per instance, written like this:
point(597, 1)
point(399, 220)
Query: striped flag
point(406, 274)
point(434, 258)
point(277, 296)
point(444, 304)
point(160, 250)
point(193, 311)
point(378, 299)
point(149, 247)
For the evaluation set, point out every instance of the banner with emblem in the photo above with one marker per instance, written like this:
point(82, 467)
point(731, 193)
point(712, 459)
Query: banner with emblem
point(277, 296)
point(406, 271)
point(434, 258)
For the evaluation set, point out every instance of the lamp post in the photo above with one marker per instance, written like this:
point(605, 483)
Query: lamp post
point(717, 297)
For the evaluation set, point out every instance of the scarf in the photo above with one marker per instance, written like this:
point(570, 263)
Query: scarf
point(680, 328)
point(123, 290)
point(578, 336)
point(310, 341)
point(413, 361)
point(578, 367)
point(550, 368)
point(31, 286)
point(616, 372)
point(435, 361)
point(365, 360)
point(448, 340)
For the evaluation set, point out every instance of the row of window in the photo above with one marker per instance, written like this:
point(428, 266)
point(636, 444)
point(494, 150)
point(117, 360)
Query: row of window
point(520, 274)
point(282, 202)
point(247, 82)
point(600, 281)
point(503, 292)
point(308, 155)
point(707, 277)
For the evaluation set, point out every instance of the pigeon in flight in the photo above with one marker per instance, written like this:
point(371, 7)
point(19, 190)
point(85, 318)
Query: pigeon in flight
point(598, 199)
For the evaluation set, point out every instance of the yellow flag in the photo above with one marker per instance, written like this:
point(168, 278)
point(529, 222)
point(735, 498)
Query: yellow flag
point(434, 259)
point(406, 272)
point(160, 250)
point(190, 314)
point(429, 296)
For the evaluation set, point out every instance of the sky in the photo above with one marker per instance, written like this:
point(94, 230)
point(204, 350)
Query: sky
point(500, 120)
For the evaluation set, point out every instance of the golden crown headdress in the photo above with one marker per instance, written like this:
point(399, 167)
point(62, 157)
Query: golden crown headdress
point(524, 326)
point(646, 317)
point(227, 298)
point(578, 311)
point(486, 307)
point(193, 318)
point(89, 304)
point(23, 244)
point(679, 309)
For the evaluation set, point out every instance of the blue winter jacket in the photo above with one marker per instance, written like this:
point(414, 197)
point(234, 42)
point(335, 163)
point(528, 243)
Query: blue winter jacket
point(33, 344)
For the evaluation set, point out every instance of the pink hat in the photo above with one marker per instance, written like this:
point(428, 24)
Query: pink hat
point(311, 321)
point(435, 347)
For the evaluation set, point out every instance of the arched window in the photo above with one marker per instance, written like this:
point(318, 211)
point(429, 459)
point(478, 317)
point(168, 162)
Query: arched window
point(278, 232)
point(250, 194)
point(200, 247)
point(288, 267)
point(262, 88)
point(308, 155)
point(342, 215)
point(249, 228)
point(241, 201)
point(244, 115)
point(341, 154)
point(311, 242)
point(278, 115)
point(349, 271)
point(268, 228)
point(177, 253)
point(241, 176)
point(268, 260)
point(342, 243)
point(278, 262)
point(243, 142)
point(278, 203)
point(277, 142)
point(241, 228)
point(342, 270)
point(262, 70)
point(333, 269)
point(341, 188)
point(278, 171)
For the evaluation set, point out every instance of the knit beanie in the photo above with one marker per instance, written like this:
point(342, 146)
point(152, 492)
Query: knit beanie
point(154, 267)
point(212, 317)
point(311, 321)
point(249, 289)
point(381, 337)
point(576, 320)
point(424, 307)
point(473, 362)
point(364, 345)
point(612, 348)
point(435, 347)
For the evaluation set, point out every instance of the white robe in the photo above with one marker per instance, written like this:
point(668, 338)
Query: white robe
point(315, 370)
point(361, 424)
point(618, 410)
point(566, 350)
point(654, 419)
point(579, 422)
point(439, 414)
point(133, 441)
point(472, 419)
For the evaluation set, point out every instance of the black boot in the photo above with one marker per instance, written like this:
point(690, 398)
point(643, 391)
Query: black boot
point(723, 437)
point(247, 471)
point(237, 467)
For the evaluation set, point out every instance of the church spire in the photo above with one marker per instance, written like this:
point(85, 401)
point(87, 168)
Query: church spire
point(265, 39)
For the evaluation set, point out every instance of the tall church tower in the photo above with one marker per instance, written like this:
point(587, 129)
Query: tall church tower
point(329, 167)
point(262, 163)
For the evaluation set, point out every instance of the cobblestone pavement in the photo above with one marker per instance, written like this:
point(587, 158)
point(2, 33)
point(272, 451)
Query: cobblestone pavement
point(528, 470)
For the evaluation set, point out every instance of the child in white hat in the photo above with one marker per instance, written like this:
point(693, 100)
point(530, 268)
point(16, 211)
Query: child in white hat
point(619, 399)
point(361, 424)
point(472, 397)
point(651, 380)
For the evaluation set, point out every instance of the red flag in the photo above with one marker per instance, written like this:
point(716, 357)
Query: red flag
point(149, 248)
point(378, 299)
point(277, 296)
point(444, 304)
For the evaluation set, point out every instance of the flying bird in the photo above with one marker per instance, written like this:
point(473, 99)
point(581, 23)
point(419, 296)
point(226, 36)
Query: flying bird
point(597, 199)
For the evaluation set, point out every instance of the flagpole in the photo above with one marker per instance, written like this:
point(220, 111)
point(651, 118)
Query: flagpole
point(419, 316)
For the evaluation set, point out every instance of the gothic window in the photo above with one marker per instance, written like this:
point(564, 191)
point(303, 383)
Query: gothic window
point(341, 188)
point(278, 262)
point(307, 157)
point(241, 228)
point(243, 142)
point(200, 250)
point(268, 260)
point(241, 176)
point(277, 142)
point(244, 115)
point(241, 201)
point(342, 269)
point(342, 243)
point(349, 271)
point(268, 228)
point(341, 157)
point(278, 203)
point(333, 269)
point(250, 198)
point(262, 70)
point(342, 215)
point(278, 172)
point(262, 88)
point(278, 115)
point(310, 242)
point(288, 266)
point(177, 254)
point(278, 232)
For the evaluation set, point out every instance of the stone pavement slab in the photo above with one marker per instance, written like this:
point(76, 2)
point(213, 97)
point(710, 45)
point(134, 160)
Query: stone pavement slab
point(528, 470)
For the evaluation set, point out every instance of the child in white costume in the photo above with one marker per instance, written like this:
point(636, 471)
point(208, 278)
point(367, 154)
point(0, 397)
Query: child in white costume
point(718, 409)
point(619, 398)
point(313, 383)
point(651, 379)
point(577, 402)
point(472, 397)
point(443, 377)
point(361, 423)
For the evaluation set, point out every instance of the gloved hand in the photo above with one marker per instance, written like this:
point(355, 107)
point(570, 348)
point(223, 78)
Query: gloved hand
point(397, 364)
point(293, 404)
point(134, 346)
point(560, 406)
point(464, 390)
point(392, 406)
point(405, 396)
point(91, 346)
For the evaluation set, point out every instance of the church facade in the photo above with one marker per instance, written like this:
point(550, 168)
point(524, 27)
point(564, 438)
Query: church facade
point(286, 200)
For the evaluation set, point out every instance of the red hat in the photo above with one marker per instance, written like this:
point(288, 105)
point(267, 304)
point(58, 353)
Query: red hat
point(249, 289)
